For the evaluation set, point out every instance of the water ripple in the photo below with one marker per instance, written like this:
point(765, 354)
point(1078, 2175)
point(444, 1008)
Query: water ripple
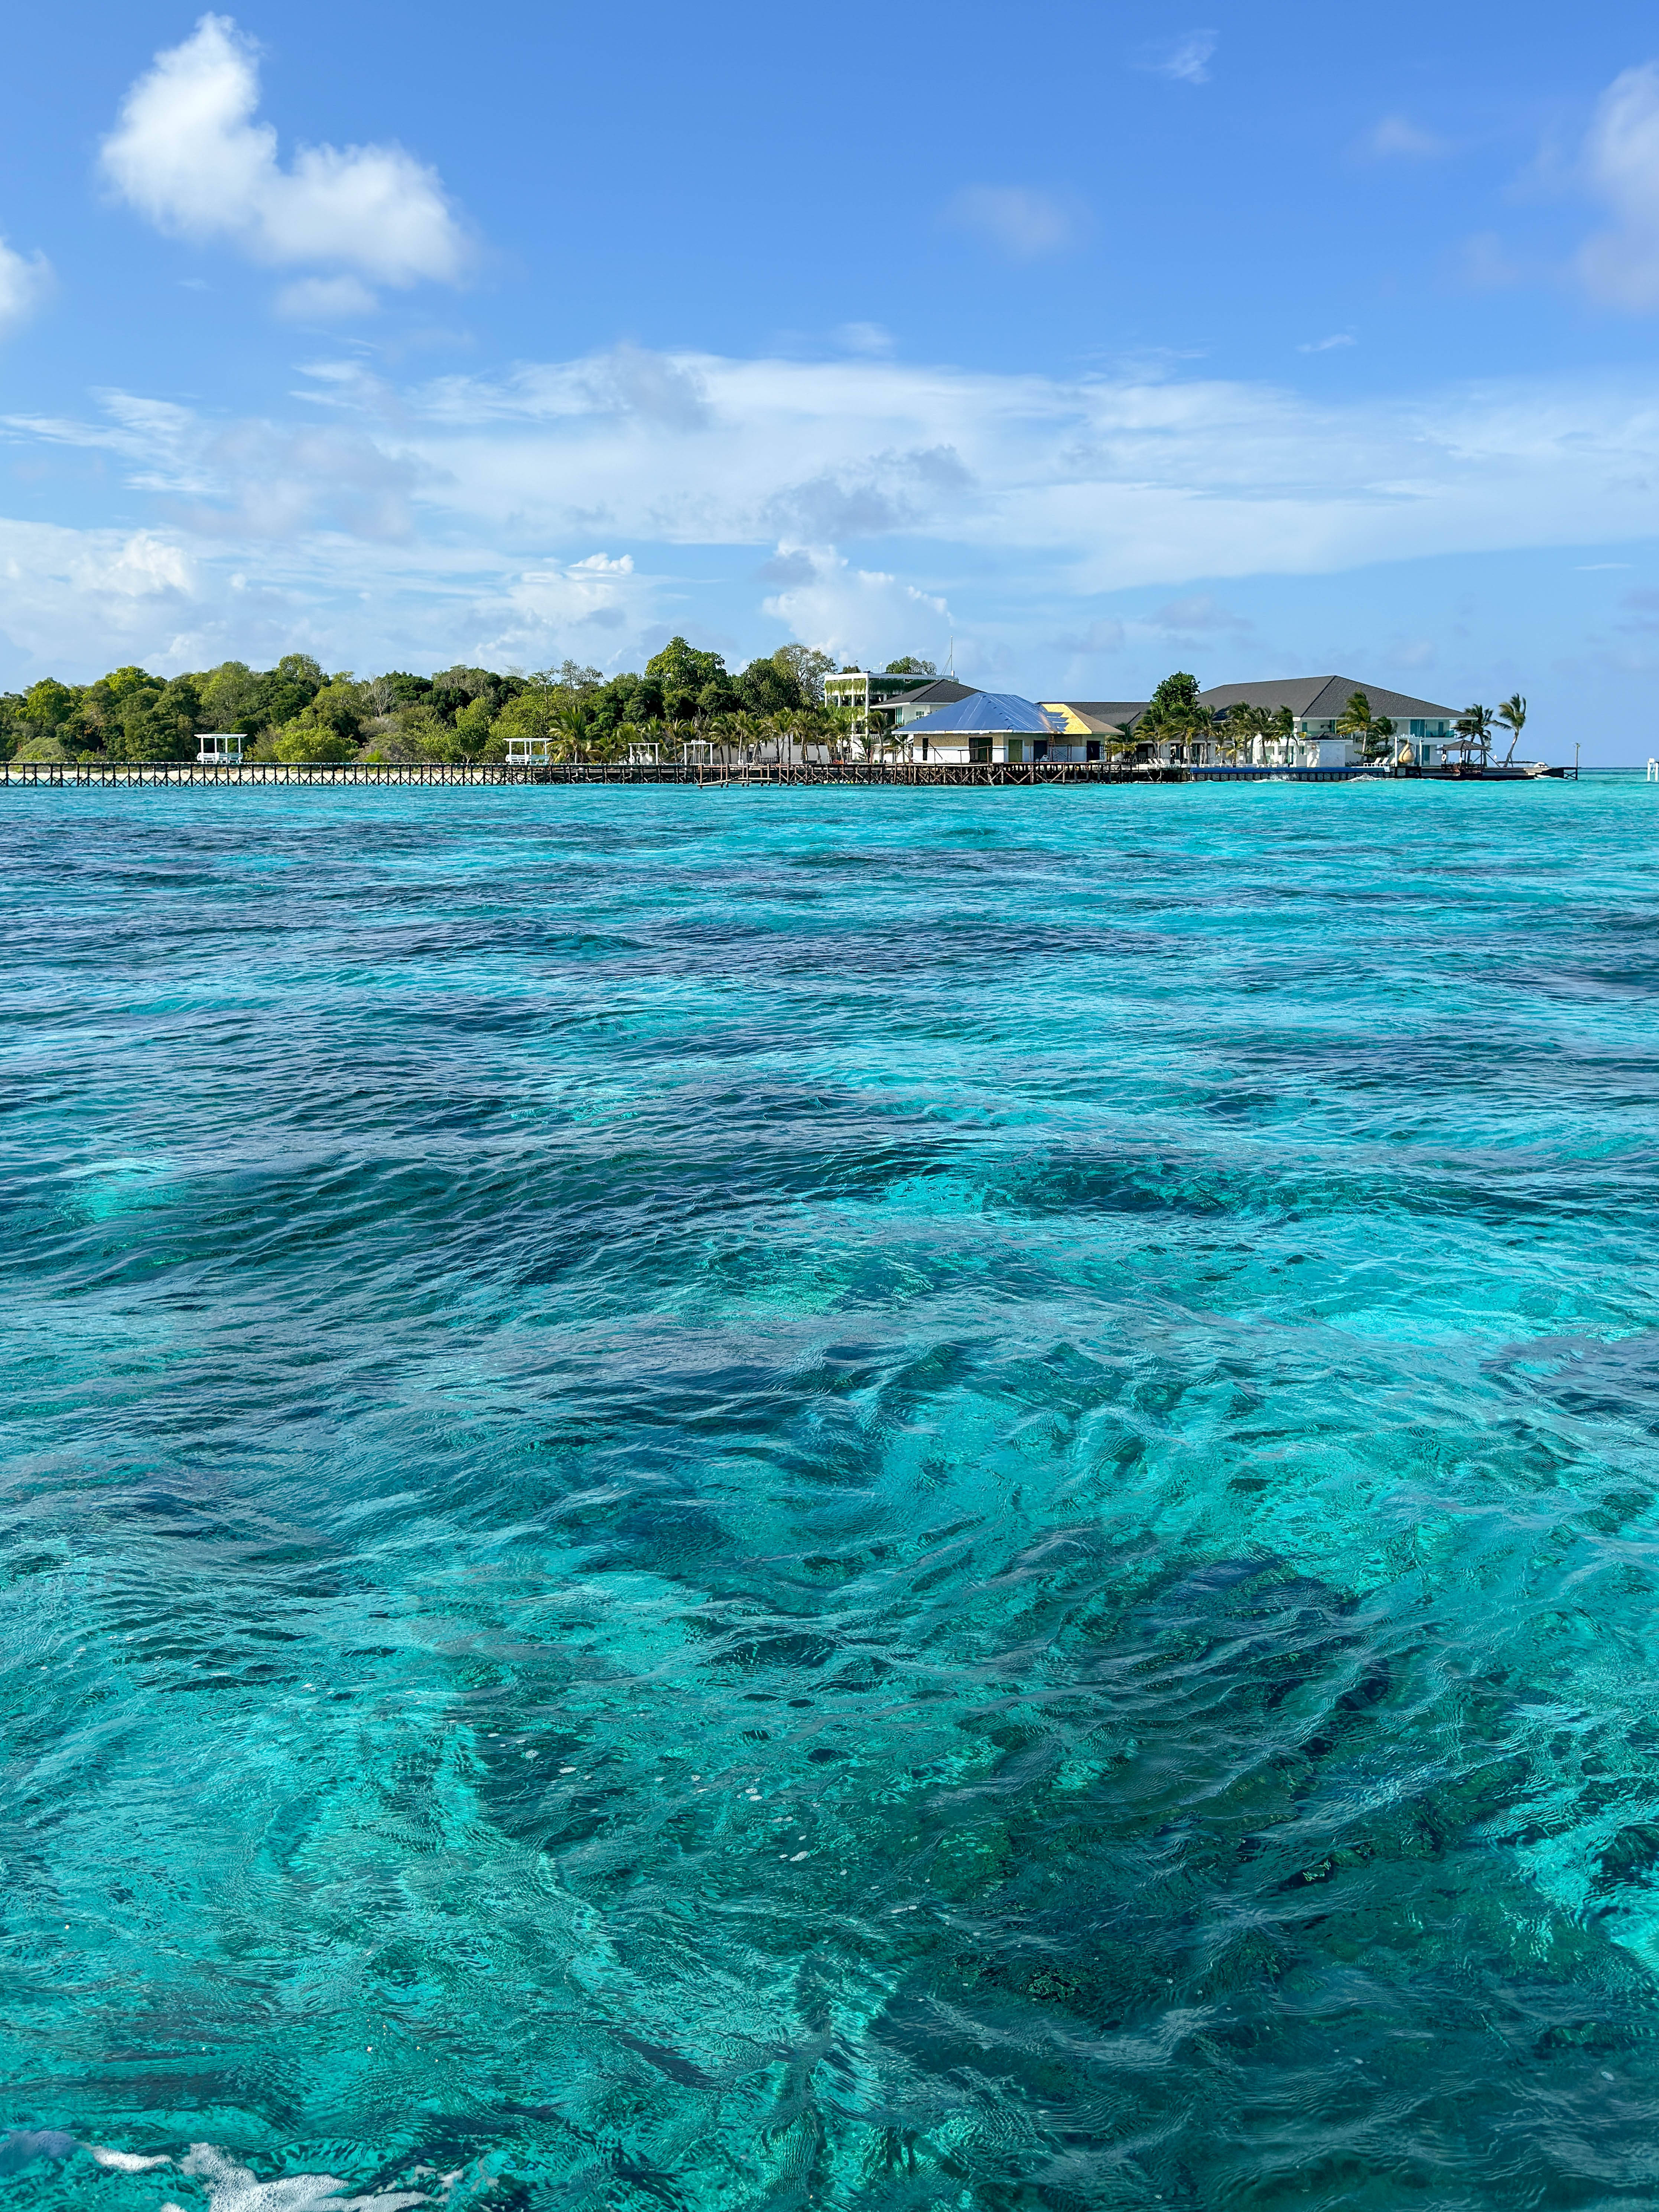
point(822, 1499)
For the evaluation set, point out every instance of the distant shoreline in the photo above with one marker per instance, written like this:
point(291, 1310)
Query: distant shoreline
point(911, 776)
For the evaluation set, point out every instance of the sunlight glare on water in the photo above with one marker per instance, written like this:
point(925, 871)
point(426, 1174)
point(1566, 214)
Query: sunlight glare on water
point(831, 1499)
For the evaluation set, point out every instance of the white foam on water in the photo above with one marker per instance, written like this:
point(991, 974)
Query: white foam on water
point(234, 2187)
point(126, 2161)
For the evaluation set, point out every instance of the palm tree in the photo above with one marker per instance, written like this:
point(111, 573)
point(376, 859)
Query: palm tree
point(1513, 715)
point(570, 720)
point(1356, 721)
point(1474, 726)
point(837, 724)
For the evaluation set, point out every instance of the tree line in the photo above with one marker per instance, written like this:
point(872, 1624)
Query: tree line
point(296, 712)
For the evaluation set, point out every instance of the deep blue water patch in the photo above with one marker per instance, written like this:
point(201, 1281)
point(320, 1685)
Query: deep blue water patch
point(746, 1498)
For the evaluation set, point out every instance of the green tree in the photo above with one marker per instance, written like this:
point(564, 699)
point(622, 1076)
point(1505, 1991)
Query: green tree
point(49, 703)
point(1513, 715)
point(473, 723)
point(154, 722)
point(909, 666)
point(1473, 725)
point(683, 673)
point(767, 688)
point(340, 705)
point(1179, 690)
point(301, 740)
point(809, 667)
point(1356, 721)
point(228, 694)
point(279, 695)
point(1242, 727)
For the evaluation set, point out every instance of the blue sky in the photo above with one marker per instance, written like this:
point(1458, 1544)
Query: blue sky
point(1101, 341)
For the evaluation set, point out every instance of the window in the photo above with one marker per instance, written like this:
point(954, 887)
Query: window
point(979, 749)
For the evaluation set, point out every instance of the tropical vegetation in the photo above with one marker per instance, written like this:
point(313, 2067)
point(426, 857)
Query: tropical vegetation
point(686, 702)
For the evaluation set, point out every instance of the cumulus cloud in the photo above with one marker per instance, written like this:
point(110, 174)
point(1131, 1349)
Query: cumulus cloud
point(1621, 165)
point(843, 610)
point(23, 285)
point(1188, 61)
point(187, 154)
point(1025, 225)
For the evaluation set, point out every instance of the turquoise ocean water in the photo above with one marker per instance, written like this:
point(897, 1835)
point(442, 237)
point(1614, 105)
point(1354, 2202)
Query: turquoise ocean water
point(831, 1499)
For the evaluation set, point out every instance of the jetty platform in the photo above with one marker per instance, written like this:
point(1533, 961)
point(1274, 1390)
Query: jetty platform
point(902, 774)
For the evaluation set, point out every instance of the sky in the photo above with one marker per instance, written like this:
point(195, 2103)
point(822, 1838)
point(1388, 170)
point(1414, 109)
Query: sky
point(1066, 345)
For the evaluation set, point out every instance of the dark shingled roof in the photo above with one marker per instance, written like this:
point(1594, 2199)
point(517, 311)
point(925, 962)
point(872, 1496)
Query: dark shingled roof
point(938, 692)
point(1322, 698)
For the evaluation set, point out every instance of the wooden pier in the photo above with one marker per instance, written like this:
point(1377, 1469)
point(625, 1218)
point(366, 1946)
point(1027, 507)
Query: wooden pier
point(719, 776)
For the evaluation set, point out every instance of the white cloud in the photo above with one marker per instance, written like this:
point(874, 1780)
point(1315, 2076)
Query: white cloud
point(863, 337)
point(1188, 61)
point(187, 154)
point(460, 517)
point(1397, 138)
point(1621, 164)
point(23, 285)
point(1329, 345)
point(1023, 224)
point(843, 610)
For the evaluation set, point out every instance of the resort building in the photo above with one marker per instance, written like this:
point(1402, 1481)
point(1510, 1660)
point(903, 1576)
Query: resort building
point(1109, 719)
point(907, 707)
point(936, 717)
point(877, 700)
point(990, 726)
point(1317, 704)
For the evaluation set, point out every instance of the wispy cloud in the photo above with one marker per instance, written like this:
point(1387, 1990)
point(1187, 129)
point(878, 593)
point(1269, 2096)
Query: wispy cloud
point(1395, 137)
point(187, 154)
point(1621, 265)
point(863, 337)
point(466, 513)
point(1485, 264)
point(1187, 61)
point(1198, 614)
point(1023, 224)
point(1330, 344)
point(24, 283)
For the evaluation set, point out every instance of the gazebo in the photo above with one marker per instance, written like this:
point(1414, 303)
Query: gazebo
point(219, 749)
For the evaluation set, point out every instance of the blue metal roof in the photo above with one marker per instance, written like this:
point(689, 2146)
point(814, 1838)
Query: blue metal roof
point(985, 710)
